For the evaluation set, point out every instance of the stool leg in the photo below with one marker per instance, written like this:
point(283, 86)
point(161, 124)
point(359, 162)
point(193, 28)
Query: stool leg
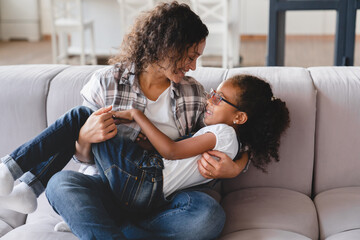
point(82, 47)
point(92, 38)
point(62, 47)
point(276, 38)
point(350, 33)
point(54, 46)
point(339, 56)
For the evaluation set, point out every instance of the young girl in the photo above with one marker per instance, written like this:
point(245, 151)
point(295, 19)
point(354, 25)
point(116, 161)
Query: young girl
point(242, 110)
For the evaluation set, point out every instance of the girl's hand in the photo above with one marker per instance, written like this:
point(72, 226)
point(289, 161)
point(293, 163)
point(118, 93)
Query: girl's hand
point(225, 167)
point(144, 142)
point(125, 116)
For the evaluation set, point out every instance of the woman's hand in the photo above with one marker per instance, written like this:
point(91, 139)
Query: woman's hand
point(225, 167)
point(98, 127)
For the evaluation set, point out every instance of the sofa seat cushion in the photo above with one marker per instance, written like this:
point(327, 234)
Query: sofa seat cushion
point(339, 211)
point(39, 231)
point(4, 228)
point(270, 208)
point(348, 235)
point(265, 234)
point(10, 220)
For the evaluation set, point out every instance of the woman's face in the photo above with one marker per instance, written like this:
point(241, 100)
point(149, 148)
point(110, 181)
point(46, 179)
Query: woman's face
point(188, 62)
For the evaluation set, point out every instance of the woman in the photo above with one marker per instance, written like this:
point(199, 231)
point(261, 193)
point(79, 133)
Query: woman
point(148, 74)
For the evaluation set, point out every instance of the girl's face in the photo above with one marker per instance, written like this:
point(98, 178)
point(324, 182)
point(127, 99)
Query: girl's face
point(188, 62)
point(223, 112)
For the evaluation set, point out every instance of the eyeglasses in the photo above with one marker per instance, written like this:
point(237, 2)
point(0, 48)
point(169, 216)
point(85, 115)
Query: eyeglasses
point(216, 98)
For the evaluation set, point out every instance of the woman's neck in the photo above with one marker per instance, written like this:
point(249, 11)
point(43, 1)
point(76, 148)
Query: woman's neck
point(153, 82)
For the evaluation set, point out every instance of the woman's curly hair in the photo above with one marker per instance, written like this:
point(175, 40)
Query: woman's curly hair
point(166, 32)
point(268, 118)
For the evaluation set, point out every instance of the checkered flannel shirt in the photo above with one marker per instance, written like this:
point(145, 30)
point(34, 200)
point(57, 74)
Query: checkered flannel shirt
point(120, 88)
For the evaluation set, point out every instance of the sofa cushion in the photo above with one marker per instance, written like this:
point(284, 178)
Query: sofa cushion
point(40, 230)
point(64, 92)
point(10, 220)
point(339, 211)
point(209, 77)
point(24, 89)
point(270, 208)
point(348, 235)
point(4, 228)
point(268, 234)
point(295, 169)
point(337, 156)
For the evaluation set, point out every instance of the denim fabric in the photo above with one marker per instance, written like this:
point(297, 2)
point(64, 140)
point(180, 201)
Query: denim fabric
point(88, 207)
point(49, 152)
point(134, 174)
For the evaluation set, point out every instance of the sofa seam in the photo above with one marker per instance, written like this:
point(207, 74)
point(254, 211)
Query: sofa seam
point(48, 90)
point(312, 194)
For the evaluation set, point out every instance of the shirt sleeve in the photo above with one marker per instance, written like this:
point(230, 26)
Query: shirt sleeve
point(226, 140)
point(94, 92)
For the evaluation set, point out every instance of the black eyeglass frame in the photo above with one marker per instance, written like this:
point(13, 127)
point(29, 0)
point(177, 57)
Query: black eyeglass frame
point(213, 93)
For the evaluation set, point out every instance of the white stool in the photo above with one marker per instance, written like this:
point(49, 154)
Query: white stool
point(130, 9)
point(67, 18)
point(220, 21)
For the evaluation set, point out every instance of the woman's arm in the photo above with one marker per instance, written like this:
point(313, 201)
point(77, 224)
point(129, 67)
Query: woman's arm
point(225, 167)
point(98, 127)
point(168, 148)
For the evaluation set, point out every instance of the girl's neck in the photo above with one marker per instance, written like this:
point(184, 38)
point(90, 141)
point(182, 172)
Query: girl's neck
point(153, 82)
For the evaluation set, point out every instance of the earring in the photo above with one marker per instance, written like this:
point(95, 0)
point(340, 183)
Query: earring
point(234, 122)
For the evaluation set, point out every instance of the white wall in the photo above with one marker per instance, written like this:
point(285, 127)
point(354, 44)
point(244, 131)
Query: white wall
point(254, 19)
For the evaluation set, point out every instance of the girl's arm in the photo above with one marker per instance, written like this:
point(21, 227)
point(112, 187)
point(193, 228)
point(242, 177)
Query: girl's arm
point(168, 148)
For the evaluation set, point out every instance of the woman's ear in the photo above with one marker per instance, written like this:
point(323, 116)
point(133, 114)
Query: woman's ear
point(241, 118)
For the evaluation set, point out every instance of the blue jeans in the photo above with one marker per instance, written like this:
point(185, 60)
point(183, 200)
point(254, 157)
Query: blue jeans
point(36, 161)
point(133, 174)
point(91, 211)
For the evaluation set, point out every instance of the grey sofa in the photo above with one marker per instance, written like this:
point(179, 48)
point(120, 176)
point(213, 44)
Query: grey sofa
point(312, 193)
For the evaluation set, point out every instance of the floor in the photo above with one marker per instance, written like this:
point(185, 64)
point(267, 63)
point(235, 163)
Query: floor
point(300, 51)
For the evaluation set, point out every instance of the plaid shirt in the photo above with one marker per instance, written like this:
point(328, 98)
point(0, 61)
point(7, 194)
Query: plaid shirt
point(120, 88)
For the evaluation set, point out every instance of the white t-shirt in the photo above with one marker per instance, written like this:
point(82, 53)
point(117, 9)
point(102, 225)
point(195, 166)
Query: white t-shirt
point(184, 173)
point(160, 114)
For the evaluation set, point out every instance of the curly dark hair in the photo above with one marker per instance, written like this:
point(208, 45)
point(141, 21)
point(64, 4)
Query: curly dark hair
point(166, 32)
point(268, 118)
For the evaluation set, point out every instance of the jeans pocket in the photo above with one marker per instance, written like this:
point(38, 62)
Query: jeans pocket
point(121, 182)
point(149, 192)
point(135, 189)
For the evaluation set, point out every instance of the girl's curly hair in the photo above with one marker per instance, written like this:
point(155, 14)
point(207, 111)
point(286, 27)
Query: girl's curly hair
point(166, 32)
point(268, 118)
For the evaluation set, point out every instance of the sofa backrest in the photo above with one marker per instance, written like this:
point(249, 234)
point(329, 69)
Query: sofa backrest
point(64, 91)
point(38, 94)
point(337, 155)
point(295, 169)
point(24, 90)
